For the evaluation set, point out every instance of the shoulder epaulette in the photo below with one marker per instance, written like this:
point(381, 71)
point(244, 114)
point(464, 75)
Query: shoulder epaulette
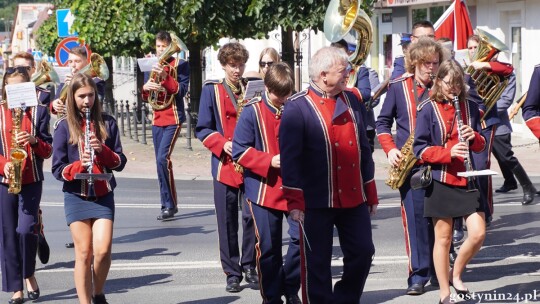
point(253, 100)
point(212, 81)
point(57, 123)
point(399, 79)
point(422, 104)
point(298, 95)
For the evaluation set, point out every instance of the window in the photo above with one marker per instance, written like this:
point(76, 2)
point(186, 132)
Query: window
point(432, 13)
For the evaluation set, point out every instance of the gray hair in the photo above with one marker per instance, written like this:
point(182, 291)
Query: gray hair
point(324, 59)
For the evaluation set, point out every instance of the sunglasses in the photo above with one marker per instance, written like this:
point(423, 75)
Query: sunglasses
point(20, 69)
point(262, 64)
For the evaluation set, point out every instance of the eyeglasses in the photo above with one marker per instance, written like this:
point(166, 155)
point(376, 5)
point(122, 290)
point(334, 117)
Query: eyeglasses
point(262, 64)
point(451, 85)
point(430, 63)
point(429, 36)
point(20, 69)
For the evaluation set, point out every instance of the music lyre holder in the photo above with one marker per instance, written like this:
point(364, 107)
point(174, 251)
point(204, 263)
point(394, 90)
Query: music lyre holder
point(91, 177)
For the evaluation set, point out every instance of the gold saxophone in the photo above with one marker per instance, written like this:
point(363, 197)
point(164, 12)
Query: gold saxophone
point(17, 155)
point(241, 103)
point(398, 175)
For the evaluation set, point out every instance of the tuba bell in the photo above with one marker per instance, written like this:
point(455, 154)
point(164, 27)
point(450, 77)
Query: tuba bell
point(345, 18)
point(45, 74)
point(175, 46)
point(490, 86)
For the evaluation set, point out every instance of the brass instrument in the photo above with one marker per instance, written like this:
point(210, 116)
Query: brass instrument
point(490, 86)
point(45, 74)
point(17, 154)
point(520, 103)
point(345, 18)
point(175, 46)
point(241, 103)
point(398, 175)
point(466, 160)
point(96, 68)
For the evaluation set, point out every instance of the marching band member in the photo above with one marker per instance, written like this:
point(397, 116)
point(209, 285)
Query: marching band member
point(442, 139)
point(167, 122)
point(78, 59)
point(531, 107)
point(90, 220)
point(19, 212)
point(267, 57)
point(24, 59)
point(403, 95)
point(256, 149)
point(218, 110)
point(328, 179)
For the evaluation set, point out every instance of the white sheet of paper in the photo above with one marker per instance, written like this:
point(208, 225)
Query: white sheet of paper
point(254, 88)
point(62, 72)
point(477, 173)
point(145, 64)
point(21, 95)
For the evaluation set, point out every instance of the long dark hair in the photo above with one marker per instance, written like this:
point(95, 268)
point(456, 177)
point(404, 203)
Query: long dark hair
point(75, 117)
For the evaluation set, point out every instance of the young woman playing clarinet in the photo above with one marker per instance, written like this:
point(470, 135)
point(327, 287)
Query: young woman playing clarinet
point(88, 204)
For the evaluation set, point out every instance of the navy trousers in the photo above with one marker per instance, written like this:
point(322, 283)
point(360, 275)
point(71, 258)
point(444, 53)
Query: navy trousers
point(482, 161)
point(419, 235)
point(19, 239)
point(502, 149)
point(354, 231)
point(227, 200)
point(164, 139)
point(276, 277)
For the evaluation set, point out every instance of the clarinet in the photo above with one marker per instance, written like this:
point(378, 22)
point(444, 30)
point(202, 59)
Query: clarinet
point(467, 159)
point(88, 148)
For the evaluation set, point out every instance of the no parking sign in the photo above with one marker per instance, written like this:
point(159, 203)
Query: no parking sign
point(62, 50)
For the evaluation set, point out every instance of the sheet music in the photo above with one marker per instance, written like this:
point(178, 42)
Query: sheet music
point(62, 72)
point(477, 173)
point(254, 88)
point(21, 95)
point(146, 64)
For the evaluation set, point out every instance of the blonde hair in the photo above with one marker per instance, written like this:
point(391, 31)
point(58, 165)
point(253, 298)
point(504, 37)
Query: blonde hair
point(457, 79)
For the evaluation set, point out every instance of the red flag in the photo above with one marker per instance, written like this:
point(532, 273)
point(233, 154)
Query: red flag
point(455, 24)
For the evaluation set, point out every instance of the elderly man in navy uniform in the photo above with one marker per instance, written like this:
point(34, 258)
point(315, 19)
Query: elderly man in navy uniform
point(221, 101)
point(403, 95)
point(531, 107)
point(328, 179)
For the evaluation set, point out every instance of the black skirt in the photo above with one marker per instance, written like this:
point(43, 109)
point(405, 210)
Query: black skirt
point(444, 201)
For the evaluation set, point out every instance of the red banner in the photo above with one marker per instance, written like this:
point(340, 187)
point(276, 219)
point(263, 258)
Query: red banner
point(455, 24)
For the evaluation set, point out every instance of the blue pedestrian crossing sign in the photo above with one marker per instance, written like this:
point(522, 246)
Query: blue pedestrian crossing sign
point(64, 21)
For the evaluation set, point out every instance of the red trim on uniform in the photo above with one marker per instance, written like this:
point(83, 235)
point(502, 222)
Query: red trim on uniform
point(387, 142)
point(534, 125)
point(479, 143)
point(69, 171)
point(436, 155)
point(42, 148)
point(215, 143)
point(500, 68)
point(258, 162)
point(370, 190)
point(108, 157)
point(406, 235)
point(295, 198)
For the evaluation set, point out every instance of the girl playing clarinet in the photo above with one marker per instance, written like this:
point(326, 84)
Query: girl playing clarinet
point(88, 205)
point(447, 128)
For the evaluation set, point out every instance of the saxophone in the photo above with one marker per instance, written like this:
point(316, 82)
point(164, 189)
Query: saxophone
point(241, 103)
point(397, 175)
point(17, 155)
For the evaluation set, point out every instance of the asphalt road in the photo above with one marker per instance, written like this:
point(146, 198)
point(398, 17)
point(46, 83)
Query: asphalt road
point(177, 261)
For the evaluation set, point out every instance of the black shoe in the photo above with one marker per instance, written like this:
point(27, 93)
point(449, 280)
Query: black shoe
point(233, 285)
point(33, 295)
point(43, 250)
point(167, 214)
point(506, 188)
point(528, 194)
point(452, 256)
point(293, 299)
point(70, 245)
point(250, 274)
point(415, 290)
point(16, 301)
point(457, 236)
point(99, 299)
